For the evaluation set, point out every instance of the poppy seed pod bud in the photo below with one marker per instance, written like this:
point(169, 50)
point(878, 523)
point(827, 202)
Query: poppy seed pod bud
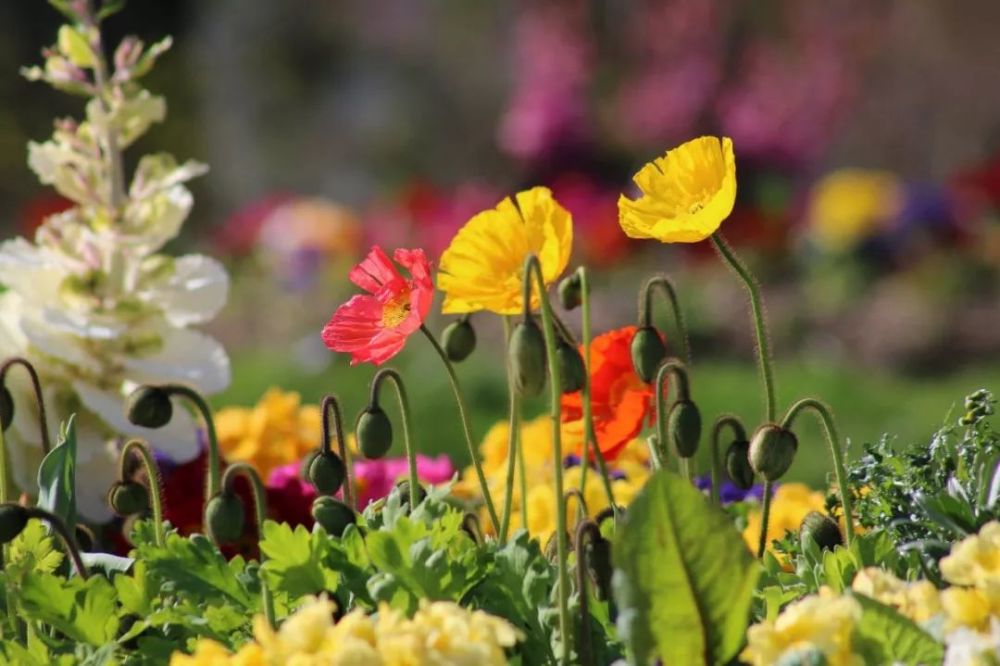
point(648, 352)
point(6, 408)
point(327, 472)
point(822, 529)
point(332, 515)
point(599, 563)
point(374, 432)
point(128, 498)
point(570, 292)
point(149, 407)
point(772, 449)
point(459, 340)
point(224, 518)
point(13, 518)
point(684, 426)
point(571, 369)
point(403, 488)
point(305, 463)
point(527, 358)
point(738, 464)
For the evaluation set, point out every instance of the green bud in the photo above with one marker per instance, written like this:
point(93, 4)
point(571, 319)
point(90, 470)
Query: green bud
point(648, 352)
point(327, 472)
point(599, 564)
point(822, 529)
point(305, 463)
point(526, 354)
point(772, 449)
point(224, 518)
point(570, 292)
point(332, 515)
point(571, 369)
point(459, 340)
point(128, 498)
point(738, 464)
point(13, 518)
point(684, 426)
point(403, 488)
point(149, 407)
point(374, 431)
point(6, 408)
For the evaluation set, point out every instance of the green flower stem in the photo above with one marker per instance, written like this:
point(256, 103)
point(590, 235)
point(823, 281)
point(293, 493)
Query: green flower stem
point(404, 412)
point(260, 509)
point(43, 424)
point(582, 511)
point(331, 407)
point(4, 473)
point(760, 327)
point(67, 538)
point(739, 432)
point(663, 283)
point(466, 428)
point(213, 478)
point(141, 449)
point(522, 472)
point(764, 518)
point(585, 529)
point(670, 367)
point(684, 468)
point(654, 452)
point(513, 443)
point(825, 416)
point(533, 266)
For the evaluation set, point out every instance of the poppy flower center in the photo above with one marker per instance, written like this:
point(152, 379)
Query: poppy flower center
point(396, 309)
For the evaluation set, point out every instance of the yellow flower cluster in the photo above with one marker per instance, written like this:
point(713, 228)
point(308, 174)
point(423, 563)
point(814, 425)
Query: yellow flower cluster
point(277, 431)
point(440, 634)
point(973, 568)
point(918, 600)
point(629, 471)
point(790, 504)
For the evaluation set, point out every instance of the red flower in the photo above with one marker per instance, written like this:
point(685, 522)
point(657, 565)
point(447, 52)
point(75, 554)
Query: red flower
point(374, 327)
point(621, 402)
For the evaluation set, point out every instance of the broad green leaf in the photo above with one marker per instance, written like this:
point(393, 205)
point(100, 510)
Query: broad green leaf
point(294, 561)
point(33, 550)
point(887, 637)
point(83, 610)
point(683, 578)
point(57, 476)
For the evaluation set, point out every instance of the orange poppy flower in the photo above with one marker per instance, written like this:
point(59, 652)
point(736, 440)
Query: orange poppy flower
point(622, 403)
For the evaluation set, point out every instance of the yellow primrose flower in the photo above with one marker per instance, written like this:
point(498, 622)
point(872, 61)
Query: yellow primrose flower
point(482, 268)
point(277, 431)
point(686, 194)
point(849, 204)
point(975, 560)
point(209, 653)
point(822, 624)
point(790, 504)
point(917, 600)
point(965, 607)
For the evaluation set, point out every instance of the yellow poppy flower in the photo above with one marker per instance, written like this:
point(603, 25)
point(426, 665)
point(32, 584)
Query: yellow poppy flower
point(686, 194)
point(482, 268)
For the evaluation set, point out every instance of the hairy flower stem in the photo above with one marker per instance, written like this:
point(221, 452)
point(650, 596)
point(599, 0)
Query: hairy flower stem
point(513, 443)
point(670, 367)
point(213, 477)
point(663, 283)
point(109, 140)
point(404, 413)
point(466, 428)
point(585, 529)
point(825, 416)
point(67, 538)
point(739, 432)
point(765, 516)
point(43, 427)
point(533, 267)
point(141, 449)
point(331, 408)
point(760, 326)
point(260, 509)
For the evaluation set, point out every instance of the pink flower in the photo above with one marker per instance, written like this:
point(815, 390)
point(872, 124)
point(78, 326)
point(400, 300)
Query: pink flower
point(375, 478)
point(374, 327)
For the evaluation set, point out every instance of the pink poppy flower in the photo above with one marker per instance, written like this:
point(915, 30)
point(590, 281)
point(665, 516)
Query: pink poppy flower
point(373, 327)
point(375, 478)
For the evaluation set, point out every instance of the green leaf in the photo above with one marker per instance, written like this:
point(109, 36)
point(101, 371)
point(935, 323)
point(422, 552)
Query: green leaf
point(83, 610)
point(294, 561)
point(888, 637)
point(684, 577)
point(33, 550)
point(57, 476)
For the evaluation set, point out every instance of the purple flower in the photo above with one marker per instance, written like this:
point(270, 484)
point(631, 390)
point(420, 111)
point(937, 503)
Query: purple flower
point(730, 492)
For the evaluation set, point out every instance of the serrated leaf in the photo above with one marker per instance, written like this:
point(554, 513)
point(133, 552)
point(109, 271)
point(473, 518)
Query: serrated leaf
point(294, 561)
point(683, 576)
point(889, 637)
point(57, 476)
point(33, 550)
point(83, 610)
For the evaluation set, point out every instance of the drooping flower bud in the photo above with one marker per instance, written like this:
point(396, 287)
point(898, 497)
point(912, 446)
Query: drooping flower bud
point(224, 518)
point(149, 407)
point(572, 371)
point(599, 564)
point(822, 529)
point(332, 515)
point(327, 472)
point(738, 464)
point(648, 352)
point(403, 488)
point(570, 292)
point(374, 432)
point(128, 498)
point(459, 340)
point(6, 408)
point(684, 426)
point(13, 518)
point(305, 463)
point(527, 358)
point(772, 450)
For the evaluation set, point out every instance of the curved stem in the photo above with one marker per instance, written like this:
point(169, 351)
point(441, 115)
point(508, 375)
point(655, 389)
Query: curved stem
point(833, 440)
point(43, 426)
point(760, 326)
point(669, 367)
point(67, 538)
point(260, 509)
point(513, 442)
point(583, 530)
point(655, 455)
point(646, 308)
point(331, 407)
point(141, 449)
point(739, 432)
point(466, 428)
point(404, 410)
point(533, 266)
point(582, 511)
point(470, 523)
point(764, 518)
point(213, 479)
